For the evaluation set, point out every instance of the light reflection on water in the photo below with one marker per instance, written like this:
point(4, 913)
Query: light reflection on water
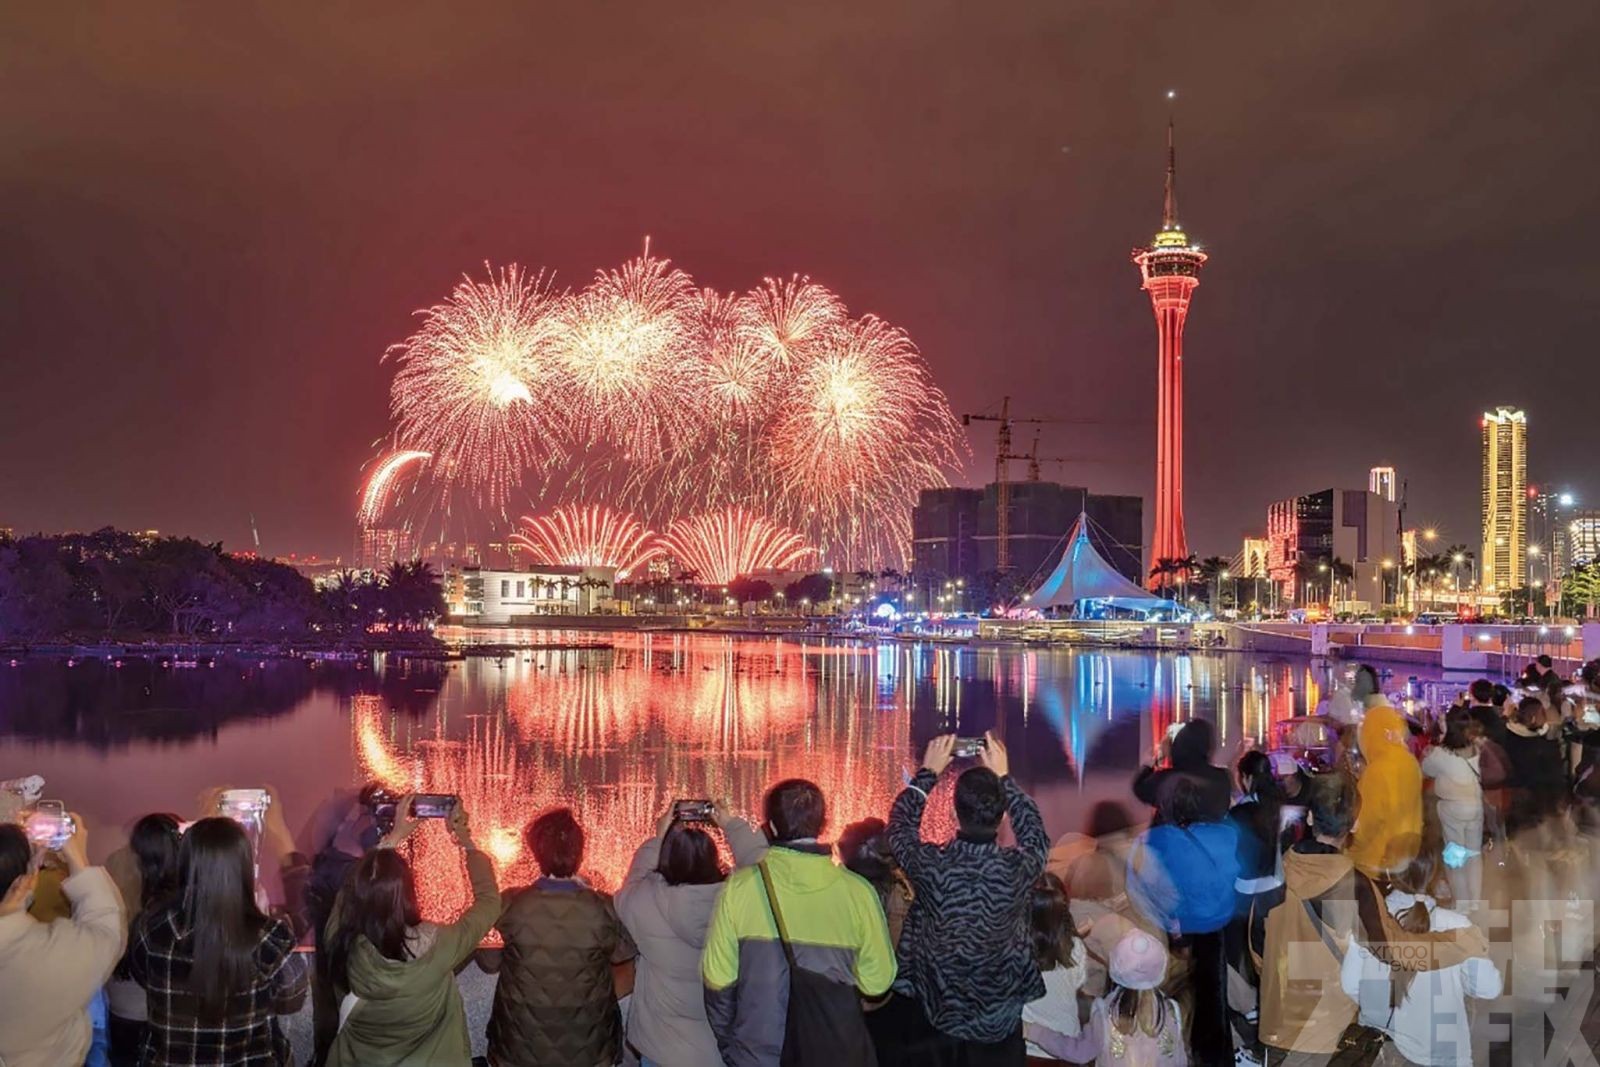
point(619, 732)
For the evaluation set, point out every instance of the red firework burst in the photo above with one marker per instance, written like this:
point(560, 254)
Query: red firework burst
point(721, 546)
point(593, 536)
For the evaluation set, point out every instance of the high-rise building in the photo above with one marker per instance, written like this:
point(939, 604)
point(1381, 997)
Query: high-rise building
point(1309, 535)
point(1503, 561)
point(1381, 480)
point(1583, 537)
point(1170, 270)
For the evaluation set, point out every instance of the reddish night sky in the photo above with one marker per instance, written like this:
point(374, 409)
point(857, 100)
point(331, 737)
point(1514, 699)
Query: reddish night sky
point(217, 219)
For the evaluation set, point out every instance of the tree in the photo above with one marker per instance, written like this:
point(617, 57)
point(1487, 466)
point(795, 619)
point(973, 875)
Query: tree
point(1580, 590)
point(1211, 569)
point(816, 588)
point(747, 590)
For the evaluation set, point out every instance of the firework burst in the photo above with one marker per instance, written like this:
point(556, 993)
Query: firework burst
point(788, 321)
point(375, 497)
point(475, 384)
point(866, 429)
point(627, 350)
point(593, 536)
point(722, 545)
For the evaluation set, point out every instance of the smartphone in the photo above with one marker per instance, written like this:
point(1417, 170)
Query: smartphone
point(49, 826)
point(1290, 814)
point(240, 804)
point(969, 747)
point(433, 805)
point(693, 810)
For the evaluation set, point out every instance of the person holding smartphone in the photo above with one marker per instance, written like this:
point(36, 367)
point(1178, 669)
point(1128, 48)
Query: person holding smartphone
point(393, 975)
point(50, 970)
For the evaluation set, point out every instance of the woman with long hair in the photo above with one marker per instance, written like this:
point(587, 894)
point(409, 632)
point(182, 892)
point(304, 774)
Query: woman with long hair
point(393, 975)
point(1060, 955)
point(1455, 768)
point(216, 971)
point(666, 902)
point(154, 846)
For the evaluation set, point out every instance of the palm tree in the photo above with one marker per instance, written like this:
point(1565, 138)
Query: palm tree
point(1338, 571)
point(1185, 570)
point(1162, 571)
point(1211, 569)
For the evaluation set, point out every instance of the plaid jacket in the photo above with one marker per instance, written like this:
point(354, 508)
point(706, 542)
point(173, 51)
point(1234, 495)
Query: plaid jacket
point(159, 957)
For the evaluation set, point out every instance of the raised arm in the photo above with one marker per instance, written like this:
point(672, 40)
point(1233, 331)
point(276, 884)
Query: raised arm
point(458, 940)
point(749, 845)
point(905, 816)
point(1026, 824)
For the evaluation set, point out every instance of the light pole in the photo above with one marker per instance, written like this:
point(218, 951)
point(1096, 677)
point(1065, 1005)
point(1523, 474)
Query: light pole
point(1533, 554)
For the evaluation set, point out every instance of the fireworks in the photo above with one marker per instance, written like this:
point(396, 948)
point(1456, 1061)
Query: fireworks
point(375, 496)
point(721, 546)
point(593, 536)
point(626, 348)
point(667, 400)
point(476, 385)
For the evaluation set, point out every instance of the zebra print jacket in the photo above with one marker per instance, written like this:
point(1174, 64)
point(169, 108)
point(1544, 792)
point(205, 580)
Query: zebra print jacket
point(966, 952)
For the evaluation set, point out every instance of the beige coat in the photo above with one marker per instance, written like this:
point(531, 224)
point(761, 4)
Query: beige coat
point(48, 972)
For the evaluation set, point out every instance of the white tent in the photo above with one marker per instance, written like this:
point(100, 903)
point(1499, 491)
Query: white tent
point(1084, 579)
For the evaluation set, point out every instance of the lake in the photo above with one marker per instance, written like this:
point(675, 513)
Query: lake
point(615, 732)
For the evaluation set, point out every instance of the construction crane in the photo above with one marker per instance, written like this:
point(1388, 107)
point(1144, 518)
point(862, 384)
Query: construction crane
point(1034, 459)
point(1002, 460)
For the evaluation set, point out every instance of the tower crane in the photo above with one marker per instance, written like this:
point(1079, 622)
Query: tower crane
point(1002, 467)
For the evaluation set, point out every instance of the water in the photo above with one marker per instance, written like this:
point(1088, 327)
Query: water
point(617, 733)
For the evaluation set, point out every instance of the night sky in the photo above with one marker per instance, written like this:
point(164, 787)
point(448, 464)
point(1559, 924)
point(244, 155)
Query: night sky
point(215, 220)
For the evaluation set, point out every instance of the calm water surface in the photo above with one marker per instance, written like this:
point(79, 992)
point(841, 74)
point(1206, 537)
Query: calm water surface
point(616, 732)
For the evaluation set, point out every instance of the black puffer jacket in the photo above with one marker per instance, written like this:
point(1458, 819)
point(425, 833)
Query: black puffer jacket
point(555, 1003)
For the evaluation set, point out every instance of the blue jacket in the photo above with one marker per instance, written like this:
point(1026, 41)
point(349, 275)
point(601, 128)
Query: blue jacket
point(1182, 877)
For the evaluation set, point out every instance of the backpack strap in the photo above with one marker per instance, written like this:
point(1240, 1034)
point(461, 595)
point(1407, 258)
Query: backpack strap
point(777, 913)
point(1322, 928)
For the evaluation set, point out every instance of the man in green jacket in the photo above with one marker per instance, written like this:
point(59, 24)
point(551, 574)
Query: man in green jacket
point(835, 926)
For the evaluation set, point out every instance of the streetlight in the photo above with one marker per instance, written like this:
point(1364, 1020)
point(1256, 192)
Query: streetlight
point(1533, 554)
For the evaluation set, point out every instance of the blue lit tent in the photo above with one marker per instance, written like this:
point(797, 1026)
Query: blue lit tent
point(1085, 585)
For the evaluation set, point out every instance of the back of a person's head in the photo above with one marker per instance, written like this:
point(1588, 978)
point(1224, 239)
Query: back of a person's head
point(15, 855)
point(1331, 805)
point(795, 811)
point(1530, 713)
point(1255, 774)
point(1554, 686)
point(1181, 800)
point(1193, 745)
point(1366, 682)
point(1482, 691)
point(689, 856)
point(1501, 694)
point(154, 843)
point(1106, 818)
point(980, 803)
point(1545, 661)
point(556, 841)
point(863, 848)
point(217, 897)
point(1051, 921)
point(1590, 674)
point(379, 903)
point(1459, 729)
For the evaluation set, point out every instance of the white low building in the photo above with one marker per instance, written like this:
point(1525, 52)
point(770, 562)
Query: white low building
point(500, 597)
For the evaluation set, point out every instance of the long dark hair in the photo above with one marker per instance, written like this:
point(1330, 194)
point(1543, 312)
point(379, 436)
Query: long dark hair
point(1459, 730)
point(379, 903)
point(217, 884)
point(154, 843)
point(1054, 932)
point(689, 857)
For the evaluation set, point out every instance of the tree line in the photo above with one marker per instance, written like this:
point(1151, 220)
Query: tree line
point(115, 582)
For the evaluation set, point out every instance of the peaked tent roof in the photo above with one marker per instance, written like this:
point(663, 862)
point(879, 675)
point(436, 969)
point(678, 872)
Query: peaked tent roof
point(1083, 574)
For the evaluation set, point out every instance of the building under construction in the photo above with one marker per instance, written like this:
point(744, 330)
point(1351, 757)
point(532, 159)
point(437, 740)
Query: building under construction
point(956, 532)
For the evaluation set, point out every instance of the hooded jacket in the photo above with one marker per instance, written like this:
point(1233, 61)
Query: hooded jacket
point(667, 1016)
point(1389, 827)
point(836, 928)
point(408, 1012)
point(1300, 949)
point(49, 970)
point(1182, 877)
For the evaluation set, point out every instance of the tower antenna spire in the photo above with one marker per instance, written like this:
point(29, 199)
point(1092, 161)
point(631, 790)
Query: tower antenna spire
point(1169, 207)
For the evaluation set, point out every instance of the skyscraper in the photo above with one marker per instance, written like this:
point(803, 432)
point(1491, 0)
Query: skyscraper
point(1381, 480)
point(1170, 270)
point(1504, 558)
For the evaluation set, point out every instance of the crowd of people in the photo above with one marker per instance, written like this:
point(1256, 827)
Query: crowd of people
point(1297, 912)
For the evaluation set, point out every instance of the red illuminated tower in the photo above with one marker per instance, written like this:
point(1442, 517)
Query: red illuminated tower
point(1170, 268)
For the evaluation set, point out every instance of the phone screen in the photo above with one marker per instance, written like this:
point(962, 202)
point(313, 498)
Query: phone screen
point(433, 805)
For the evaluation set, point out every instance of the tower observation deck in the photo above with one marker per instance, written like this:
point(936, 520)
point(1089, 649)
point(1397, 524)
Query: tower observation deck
point(1170, 271)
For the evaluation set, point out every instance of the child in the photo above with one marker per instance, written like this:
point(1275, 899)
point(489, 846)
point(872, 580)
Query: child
point(1059, 952)
point(1134, 1023)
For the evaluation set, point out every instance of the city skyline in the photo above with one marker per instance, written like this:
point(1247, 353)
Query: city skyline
point(195, 331)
